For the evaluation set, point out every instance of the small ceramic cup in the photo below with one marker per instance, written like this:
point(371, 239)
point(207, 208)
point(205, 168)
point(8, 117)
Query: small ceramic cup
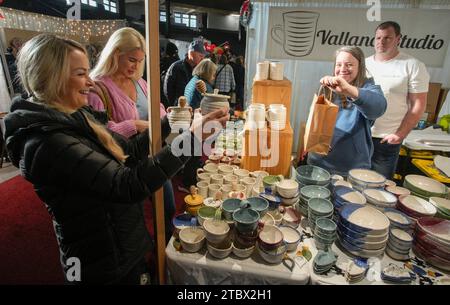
point(203, 187)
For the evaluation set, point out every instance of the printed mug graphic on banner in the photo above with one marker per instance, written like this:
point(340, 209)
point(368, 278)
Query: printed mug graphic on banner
point(298, 32)
point(317, 33)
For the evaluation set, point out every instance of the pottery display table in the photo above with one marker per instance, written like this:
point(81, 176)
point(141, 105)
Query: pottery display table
point(203, 269)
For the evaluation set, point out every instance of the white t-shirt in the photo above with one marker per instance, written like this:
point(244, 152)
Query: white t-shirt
point(397, 77)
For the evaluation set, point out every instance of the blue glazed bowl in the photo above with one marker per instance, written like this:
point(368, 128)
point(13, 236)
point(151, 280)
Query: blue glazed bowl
point(259, 204)
point(246, 220)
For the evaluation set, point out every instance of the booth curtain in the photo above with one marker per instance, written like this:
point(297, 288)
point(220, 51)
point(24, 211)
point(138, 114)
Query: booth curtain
point(305, 75)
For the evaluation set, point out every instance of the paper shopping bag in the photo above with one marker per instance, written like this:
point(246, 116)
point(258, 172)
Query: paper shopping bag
point(320, 125)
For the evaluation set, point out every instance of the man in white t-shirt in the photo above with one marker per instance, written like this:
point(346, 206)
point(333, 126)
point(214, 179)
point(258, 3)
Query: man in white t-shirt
point(404, 81)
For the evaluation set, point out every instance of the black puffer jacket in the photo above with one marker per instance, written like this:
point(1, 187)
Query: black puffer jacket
point(94, 200)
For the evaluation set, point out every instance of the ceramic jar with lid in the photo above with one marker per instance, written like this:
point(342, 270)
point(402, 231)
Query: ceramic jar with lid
point(180, 116)
point(214, 101)
point(193, 201)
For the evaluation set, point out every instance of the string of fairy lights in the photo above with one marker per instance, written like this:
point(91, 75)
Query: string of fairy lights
point(82, 29)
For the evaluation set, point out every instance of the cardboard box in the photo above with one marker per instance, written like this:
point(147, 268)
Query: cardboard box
point(432, 100)
point(442, 96)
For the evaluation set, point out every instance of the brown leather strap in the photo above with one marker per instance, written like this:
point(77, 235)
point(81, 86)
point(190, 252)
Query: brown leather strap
point(101, 90)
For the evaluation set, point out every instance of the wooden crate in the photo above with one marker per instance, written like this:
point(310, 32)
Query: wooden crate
point(273, 92)
point(258, 153)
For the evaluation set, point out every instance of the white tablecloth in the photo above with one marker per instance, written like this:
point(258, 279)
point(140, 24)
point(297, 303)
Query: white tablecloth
point(203, 269)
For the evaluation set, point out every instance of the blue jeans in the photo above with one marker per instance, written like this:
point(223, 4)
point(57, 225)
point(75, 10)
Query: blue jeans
point(385, 157)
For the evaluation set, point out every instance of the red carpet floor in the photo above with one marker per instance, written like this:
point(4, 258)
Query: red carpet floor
point(28, 249)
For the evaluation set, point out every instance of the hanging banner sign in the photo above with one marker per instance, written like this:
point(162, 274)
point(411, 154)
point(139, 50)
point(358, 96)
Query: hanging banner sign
point(314, 34)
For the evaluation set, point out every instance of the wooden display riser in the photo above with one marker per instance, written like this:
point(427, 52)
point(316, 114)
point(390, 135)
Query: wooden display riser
point(273, 92)
point(268, 150)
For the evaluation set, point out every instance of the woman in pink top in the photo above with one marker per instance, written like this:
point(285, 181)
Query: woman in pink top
point(119, 72)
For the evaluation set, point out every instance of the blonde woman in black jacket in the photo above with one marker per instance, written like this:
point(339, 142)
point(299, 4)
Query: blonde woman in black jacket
point(92, 181)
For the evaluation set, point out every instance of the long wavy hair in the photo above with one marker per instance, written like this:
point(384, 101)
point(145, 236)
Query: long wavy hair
point(121, 41)
point(43, 66)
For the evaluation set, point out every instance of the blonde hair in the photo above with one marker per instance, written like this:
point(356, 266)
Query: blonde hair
point(206, 69)
point(44, 69)
point(121, 41)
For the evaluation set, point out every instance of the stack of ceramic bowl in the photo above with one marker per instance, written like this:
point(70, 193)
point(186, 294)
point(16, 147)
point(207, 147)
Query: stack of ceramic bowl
point(324, 233)
point(432, 241)
point(425, 187)
point(443, 207)
point(380, 199)
point(309, 192)
point(312, 175)
point(399, 220)
point(362, 179)
point(324, 261)
point(362, 230)
point(182, 221)
point(343, 195)
point(271, 246)
point(288, 191)
point(415, 207)
point(318, 208)
point(192, 239)
point(399, 244)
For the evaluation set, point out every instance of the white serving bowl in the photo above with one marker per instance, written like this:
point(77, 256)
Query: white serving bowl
point(363, 218)
point(379, 197)
point(216, 230)
point(287, 188)
point(291, 237)
point(192, 239)
point(418, 205)
point(274, 256)
point(219, 253)
point(243, 253)
point(425, 186)
point(368, 177)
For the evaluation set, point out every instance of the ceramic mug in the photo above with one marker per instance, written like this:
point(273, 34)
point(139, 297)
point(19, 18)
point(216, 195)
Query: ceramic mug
point(241, 173)
point(226, 189)
point(230, 178)
point(225, 169)
point(203, 187)
point(209, 168)
point(217, 179)
point(202, 176)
